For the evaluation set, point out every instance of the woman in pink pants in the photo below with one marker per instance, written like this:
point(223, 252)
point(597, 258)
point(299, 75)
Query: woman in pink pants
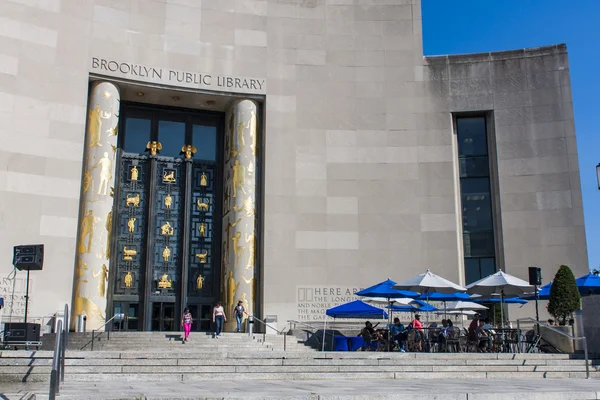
point(186, 322)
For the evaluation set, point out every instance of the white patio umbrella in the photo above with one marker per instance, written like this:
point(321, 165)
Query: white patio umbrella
point(429, 282)
point(404, 301)
point(465, 305)
point(503, 284)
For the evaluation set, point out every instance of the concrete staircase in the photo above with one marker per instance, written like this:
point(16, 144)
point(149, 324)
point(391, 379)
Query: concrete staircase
point(158, 357)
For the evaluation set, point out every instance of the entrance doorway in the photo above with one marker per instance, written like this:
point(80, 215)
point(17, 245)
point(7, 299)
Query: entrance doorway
point(163, 317)
point(127, 316)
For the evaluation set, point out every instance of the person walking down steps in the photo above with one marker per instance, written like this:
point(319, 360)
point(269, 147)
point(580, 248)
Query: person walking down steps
point(219, 318)
point(186, 323)
point(239, 314)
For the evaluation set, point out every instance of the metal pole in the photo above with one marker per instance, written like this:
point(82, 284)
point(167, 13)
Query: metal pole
point(284, 342)
point(54, 374)
point(537, 310)
point(64, 344)
point(93, 339)
point(27, 296)
point(587, 364)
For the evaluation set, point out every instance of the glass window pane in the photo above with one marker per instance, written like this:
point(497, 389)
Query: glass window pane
point(137, 135)
point(479, 244)
point(171, 135)
point(474, 166)
point(488, 266)
point(476, 205)
point(472, 270)
point(472, 139)
point(205, 140)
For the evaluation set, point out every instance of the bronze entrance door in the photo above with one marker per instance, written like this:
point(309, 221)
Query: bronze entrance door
point(166, 238)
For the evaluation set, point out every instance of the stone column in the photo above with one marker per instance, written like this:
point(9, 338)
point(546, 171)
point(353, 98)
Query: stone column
point(239, 210)
point(92, 261)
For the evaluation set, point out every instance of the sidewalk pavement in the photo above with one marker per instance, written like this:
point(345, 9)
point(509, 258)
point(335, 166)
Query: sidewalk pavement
point(397, 389)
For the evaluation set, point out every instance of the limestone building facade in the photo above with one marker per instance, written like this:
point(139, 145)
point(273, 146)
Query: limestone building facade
point(286, 153)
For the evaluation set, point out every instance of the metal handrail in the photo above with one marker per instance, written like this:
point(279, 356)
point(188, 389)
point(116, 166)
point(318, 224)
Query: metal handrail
point(325, 333)
point(572, 337)
point(57, 374)
point(279, 332)
point(102, 327)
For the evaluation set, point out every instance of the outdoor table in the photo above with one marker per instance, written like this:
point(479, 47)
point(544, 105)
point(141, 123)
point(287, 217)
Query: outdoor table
point(355, 342)
point(340, 343)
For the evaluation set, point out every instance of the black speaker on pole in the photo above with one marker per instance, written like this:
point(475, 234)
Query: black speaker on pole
point(535, 276)
point(29, 257)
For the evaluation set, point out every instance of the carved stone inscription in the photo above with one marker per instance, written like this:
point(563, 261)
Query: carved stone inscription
point(313, 301)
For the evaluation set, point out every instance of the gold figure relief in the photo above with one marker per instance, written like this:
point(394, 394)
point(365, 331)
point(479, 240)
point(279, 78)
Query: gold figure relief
point(202, 206)
point(239, 130)
point(108, 226)
point(113, 131)
point(128, 279)
point(131, 225)
point(105, 165)
point(133, 200)
point(164, 282)
point(166, 253)
point(166, 229)
point(95, 125)
point(83, 304)
point(154, 147)
point(168, 201)
point(199, 282)
point(189, 151)
point(252, 283)
point(253, 133)
point(247, 206)
point(88, 224)
point(251, 168)
point(87, 181)
point(202, 229)
point(232, 152)
point(239, 177)
point(128, 254)
point(202, 257)
point(238, 250)
point(232, 288)
point(203, 179)
point(244, 302)
point(81, 268)
point(169, 177)
point(134, 173)
point(251, 240)
point(103, 275)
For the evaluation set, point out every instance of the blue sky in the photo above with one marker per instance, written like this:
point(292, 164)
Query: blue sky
point(472, 26)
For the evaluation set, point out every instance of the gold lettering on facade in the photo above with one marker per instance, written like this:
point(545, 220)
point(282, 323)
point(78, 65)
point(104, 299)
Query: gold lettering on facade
point(167, 229)
point(95, 125)
point(168, 201)
point(164, 282)
point(105, 165)
point(133, 200)
point(202, 206)
point(202, 257)
point(203, 179)
point(128, 254)
point(239, 177)
point(128, 279)
point(131, 225)
point(153, 147)
point(188, 150)
point(169, 177)
point(88, 224)
point(199, 282)
point(166, 254)
point(134, 173)
point(103, 275)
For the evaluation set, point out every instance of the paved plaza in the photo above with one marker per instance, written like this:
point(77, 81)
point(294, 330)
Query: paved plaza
point(546, 389)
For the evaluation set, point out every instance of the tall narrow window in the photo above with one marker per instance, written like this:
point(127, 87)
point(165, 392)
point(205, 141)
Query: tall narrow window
point(476, 199)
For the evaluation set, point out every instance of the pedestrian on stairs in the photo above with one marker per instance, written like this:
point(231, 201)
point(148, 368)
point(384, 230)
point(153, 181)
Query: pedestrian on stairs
point(239, 314)
point(186, 323)
point(219, 318)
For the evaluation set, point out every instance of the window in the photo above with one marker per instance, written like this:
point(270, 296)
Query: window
point(476, 198)
point(171, 135)
point(138, 134)
point(204, 138)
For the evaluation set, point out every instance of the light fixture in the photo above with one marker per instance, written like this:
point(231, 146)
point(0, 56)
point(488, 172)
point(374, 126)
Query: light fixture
point(210, 103)
point(176, 98)
point(140, 94)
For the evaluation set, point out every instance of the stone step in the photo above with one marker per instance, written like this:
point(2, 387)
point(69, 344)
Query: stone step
point(213, 375)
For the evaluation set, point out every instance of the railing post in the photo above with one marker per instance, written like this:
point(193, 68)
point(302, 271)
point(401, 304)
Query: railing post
point(284, 341)
point(93, 339)
point(55, 372)
point(587, 363)
point(65, 337)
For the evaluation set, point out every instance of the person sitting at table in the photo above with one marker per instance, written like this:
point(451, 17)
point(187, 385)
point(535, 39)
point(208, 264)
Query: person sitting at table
point(443, 336)
point(484, 338)
point(369, 335)
point(398, 333)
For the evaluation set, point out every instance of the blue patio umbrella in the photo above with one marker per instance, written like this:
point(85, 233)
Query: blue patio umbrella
point(419, 306)
point(588, 284)
point(384, 289)
point(356, 309)
point(512, 300)
point(435, 296)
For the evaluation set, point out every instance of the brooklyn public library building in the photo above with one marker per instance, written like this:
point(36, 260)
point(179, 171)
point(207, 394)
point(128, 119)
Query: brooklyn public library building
point(286, 153)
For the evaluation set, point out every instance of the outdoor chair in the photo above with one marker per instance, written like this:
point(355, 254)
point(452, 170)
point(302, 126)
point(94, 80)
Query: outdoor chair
point(453, 341)
point(413, 341)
